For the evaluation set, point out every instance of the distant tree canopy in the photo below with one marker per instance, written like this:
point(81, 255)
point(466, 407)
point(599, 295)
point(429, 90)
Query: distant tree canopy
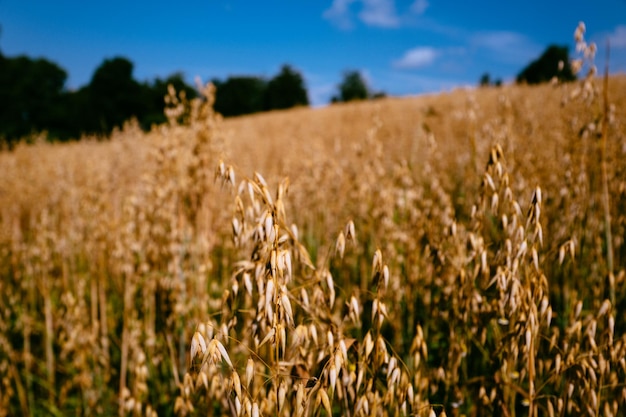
point(352, 87)
point(155, 94)
point(30, 92)
point(239, 95)
point(485, 81)
point(35, 99)
point(244, 95)
point(553, 62)
point(286, 90)
point(114, 95)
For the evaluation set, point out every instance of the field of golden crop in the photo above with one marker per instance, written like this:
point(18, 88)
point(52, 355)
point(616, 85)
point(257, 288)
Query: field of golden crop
point(455, 254)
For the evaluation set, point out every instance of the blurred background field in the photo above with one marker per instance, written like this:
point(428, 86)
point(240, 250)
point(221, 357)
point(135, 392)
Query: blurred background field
point(114, 252)
point(433, 225)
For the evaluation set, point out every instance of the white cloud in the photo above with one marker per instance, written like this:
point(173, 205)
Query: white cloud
point(617, 38)
point(320, 94)
point(381, 13)
point(416, 58)
point(506, 46)
point(419, 6)
point(498, 40)
point(376, 13)
point(321, 86)
point(339, 13)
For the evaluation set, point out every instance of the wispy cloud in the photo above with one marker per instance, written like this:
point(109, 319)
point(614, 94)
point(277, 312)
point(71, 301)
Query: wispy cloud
point(498, 40)
point(403, 83)
point(416, 58)
point(381, 13)
point(617, 38)
point(419, 6)
point(506, 46)
point(321, 86)
point(320, 94)
point(375, 13)
point(339, 14)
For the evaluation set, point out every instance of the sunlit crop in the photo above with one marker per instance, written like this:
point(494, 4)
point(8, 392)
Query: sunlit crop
point(457, 254)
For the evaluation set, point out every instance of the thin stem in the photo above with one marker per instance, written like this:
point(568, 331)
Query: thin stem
point(49, 338)
point(21, 394)
point(605, 179)
point(104, 331)
point(125, 341)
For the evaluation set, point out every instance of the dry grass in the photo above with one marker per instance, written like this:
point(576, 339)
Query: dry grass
point(431, 255)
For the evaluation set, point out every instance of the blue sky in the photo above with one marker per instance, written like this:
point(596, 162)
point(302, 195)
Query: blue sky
point(402, 47)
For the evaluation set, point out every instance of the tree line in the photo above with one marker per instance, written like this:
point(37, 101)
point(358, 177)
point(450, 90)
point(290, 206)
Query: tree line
point(34, 97)
point(553, 63)
point(244, 95)
point(36, 100)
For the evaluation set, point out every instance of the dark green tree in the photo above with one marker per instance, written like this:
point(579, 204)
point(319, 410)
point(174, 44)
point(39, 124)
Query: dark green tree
point(31, 96)
point(115, 96)
point(81, 118)
point(240, 95)
point(286, 90)
point(352, 87)
point(553, 62)
point(485, 80)
point(35, 99)
point(154, 97)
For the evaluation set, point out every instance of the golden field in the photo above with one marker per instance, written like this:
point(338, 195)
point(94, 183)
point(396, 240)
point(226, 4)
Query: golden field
point(454, 254)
